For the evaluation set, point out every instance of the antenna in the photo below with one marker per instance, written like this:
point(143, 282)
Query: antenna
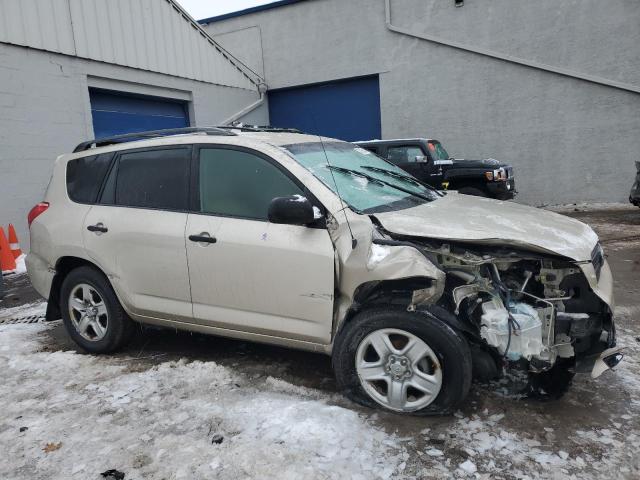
point(354, 241)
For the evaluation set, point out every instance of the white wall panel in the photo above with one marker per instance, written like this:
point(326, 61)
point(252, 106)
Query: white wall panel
point(150, 35)
point(44, 24)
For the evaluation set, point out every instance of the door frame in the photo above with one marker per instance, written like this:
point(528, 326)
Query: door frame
point(321, 224)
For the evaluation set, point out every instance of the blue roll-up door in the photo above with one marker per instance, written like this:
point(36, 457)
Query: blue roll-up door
point(115, 113)
point(345, 109)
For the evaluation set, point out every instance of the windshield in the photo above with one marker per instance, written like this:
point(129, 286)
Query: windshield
point(438, 151)
point(367, 183)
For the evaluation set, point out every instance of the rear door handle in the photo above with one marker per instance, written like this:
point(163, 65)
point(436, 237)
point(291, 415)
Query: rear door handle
point(98, 228)
point(204, 237)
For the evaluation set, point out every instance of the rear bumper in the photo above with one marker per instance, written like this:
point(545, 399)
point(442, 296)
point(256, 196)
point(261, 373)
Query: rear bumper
point(40, 274)
point(503, 190)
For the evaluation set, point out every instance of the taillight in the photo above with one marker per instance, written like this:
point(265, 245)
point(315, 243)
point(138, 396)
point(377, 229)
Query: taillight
point(37, 211)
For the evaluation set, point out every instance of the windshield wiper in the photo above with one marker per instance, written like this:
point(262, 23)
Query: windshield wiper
point(400, 176)
point(356, 173)
point(391, 173)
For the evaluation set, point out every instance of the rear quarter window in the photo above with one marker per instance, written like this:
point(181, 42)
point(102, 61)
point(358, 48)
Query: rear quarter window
point(85, 176)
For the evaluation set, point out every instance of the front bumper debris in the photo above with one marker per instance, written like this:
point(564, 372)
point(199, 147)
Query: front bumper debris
point(607, 360)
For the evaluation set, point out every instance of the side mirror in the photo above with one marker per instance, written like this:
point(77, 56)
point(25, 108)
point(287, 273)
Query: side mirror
point(421, 159)
point(293, 210)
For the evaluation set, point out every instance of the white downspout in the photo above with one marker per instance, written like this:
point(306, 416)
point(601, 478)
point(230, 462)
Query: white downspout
point(262, 90)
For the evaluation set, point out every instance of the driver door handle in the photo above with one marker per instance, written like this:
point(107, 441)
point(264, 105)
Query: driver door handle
point(204, 237)
point(98, 228)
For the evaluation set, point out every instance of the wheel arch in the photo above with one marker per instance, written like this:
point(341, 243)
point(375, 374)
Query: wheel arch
point(397, 292)
point(64, 266)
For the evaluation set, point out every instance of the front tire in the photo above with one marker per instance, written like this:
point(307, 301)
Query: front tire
point(91, 312)
point(406, 362)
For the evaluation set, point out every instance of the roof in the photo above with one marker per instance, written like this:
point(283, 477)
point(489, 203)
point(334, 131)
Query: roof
point(224, 134)
point(157, 36)
point(246, 11)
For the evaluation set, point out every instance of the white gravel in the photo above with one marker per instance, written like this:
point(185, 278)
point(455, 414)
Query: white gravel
point(158, 423)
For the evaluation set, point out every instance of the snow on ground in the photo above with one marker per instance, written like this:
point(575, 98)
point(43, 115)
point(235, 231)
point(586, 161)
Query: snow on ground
point(495, 449)
point(489, 445)
point(159, 423)
point(31, 309)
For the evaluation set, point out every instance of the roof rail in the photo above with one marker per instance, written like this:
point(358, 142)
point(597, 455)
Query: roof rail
point(132, 137)
point(259, 128)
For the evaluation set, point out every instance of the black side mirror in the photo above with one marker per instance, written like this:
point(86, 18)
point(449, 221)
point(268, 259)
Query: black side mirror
point(294, 210)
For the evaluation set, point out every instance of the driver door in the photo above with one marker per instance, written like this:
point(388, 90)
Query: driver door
point(412, 160)
point(248, 274)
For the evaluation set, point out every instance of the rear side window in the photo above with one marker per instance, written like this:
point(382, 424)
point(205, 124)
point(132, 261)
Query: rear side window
point(85, 176)
point(156, 179)
point(239, 184)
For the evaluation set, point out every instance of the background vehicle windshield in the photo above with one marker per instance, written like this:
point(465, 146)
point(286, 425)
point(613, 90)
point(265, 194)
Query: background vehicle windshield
point(438, 151)
point(361, 194)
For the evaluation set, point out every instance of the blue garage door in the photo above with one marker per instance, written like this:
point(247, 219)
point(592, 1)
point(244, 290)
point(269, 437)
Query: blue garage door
point(346, 109)
point(115, 113)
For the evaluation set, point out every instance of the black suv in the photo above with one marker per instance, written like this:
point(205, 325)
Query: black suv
point(428, 161)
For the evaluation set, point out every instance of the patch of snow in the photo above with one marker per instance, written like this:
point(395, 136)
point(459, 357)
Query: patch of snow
point(159, 423)
point(434, 452)
point(468, 467)
point(21, 267)
point(28, 310)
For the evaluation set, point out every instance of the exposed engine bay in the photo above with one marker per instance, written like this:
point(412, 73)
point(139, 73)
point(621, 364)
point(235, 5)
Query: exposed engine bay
point(517, 306)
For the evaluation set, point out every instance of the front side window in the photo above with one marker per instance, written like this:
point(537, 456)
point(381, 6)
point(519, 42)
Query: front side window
point(406, 154)
point(438, 151)
point(85, 176)
point(235, 183)
point(363, 180)
point(156, 179)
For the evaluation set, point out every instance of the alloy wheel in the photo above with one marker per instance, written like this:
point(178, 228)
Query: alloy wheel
point(88, 312)
point(398, 370)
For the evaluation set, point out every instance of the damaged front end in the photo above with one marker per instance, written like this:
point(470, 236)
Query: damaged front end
point(547, 313)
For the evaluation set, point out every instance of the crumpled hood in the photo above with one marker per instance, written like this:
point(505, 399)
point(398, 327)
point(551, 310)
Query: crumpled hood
point(492, 222)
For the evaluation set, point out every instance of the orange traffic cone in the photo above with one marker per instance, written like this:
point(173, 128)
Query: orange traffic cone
point(14, 245)
point(7, 262)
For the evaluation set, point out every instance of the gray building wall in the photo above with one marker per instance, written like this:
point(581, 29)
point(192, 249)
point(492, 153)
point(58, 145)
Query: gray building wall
point(569, 139)
point(45, 112)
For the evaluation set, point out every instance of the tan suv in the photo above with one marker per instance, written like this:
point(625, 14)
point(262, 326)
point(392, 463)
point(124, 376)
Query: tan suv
point(278, 237)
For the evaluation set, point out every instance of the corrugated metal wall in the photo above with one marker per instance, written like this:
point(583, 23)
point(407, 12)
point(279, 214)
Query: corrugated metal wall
point(151, 35)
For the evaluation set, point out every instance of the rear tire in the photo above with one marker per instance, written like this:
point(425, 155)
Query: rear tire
point(91, 312)
point(473, 191)
point(440, 361)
